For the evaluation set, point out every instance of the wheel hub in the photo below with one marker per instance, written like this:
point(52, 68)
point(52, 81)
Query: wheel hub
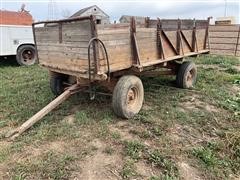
point(190, 75)
point(131, 96)
point(27, 55)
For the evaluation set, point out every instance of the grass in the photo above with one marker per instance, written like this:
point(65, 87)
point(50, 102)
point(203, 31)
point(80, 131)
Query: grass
point(168, 167)
point(49, 165)
point(199, 127)
point(134, 149)
point(128, 170)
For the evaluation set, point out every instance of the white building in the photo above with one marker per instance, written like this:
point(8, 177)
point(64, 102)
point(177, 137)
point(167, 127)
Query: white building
point(101, 16)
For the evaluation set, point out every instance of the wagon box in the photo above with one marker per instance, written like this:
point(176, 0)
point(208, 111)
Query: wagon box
point(79, 50)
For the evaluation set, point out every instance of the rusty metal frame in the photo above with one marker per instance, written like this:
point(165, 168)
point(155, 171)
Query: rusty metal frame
point(136, 58)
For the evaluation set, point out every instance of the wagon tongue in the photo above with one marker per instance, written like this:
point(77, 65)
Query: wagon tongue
point(40, 114)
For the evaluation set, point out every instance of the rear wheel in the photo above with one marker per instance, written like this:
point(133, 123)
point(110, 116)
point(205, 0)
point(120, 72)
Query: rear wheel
point(128, 96)
point(58, 82)
point(187, 75)
point(26, 55)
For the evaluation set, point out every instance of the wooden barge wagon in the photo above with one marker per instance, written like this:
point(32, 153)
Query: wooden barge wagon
point(79, 51)
point(80, 54)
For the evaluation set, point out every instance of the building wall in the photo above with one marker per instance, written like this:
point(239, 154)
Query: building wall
point(99, 15)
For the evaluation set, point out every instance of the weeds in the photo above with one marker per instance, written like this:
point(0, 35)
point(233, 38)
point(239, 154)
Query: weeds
point(128, 170)
point(134, 149)
point(169, 168)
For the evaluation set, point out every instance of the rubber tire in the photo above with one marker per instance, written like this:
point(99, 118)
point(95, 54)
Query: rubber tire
point(57, 82)
point(120, 92)
point(181, 78)
point(19, 57)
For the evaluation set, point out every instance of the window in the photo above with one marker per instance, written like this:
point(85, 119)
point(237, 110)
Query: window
point(98, 21)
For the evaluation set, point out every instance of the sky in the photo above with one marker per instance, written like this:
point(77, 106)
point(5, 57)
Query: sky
point(151, 8)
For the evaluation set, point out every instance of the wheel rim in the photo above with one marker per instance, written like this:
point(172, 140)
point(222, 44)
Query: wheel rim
point(132, 97)
point(28, 56)
point(190, 77)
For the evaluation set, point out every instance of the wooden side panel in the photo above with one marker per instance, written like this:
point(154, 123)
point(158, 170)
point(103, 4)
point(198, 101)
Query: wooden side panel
point(224, 39)
point(118, 46)
point(47, 34)
point(64, 45)
point(200, 35)
point(188, 34)
point(172, 36)
point(147, 44)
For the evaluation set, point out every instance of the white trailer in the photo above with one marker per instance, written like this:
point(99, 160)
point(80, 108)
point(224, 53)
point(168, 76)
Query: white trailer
point(18, 40)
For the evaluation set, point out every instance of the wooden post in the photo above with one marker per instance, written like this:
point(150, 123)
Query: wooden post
point(178, 37)
point(94, 45)
point(194, 38)
point(147, 19)
point(235, 53)
point(136, 58)
point(159, 34)
point(206, 35)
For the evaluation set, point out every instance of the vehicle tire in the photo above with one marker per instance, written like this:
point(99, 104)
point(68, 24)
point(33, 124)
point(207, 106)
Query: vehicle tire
point(26, 55)
point(186, 75)
point(57, 82)
point(128, 96)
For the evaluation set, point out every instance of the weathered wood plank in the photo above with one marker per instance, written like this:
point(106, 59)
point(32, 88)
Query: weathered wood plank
point(109, 37)
point(222, 52)
point(223, 40)
point(222, 28)
point(64, 55)
point(224, 34)
point(223, 46)
point(112, 26)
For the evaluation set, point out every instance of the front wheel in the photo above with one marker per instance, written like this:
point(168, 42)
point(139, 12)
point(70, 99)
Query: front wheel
point(58, 82)
point(26, 55)
point(186, 75)
point(128, 96)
